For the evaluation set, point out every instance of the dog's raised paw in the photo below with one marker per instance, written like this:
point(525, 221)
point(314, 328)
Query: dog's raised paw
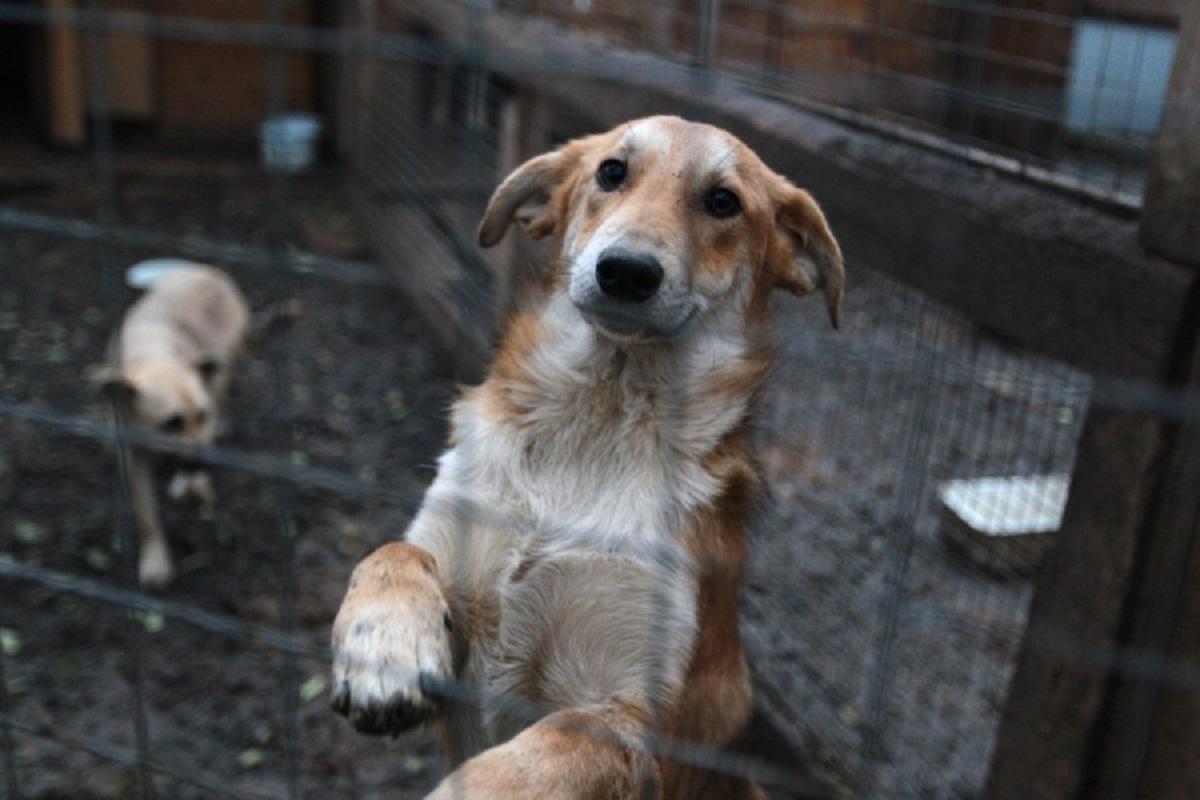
point(388, 666)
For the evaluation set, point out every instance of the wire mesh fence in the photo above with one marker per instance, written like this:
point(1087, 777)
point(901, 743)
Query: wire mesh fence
point(884, 615)
point(1040, 89)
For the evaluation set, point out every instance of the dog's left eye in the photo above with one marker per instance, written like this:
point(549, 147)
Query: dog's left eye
point(722, 203)
point(611, 174)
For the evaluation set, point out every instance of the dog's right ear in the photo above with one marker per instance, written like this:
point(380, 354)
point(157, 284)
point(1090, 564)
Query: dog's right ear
point(209, 367)
point(806, 256)
point(528, 194)
point(112, 383)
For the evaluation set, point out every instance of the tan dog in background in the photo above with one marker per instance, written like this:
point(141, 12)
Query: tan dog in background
point(578, 558)
point(168, 368)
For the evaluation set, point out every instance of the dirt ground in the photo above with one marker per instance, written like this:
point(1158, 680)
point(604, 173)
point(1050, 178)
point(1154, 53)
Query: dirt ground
point(857, 430)
point(369, 399)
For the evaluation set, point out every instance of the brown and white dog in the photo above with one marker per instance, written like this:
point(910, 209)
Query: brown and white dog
point(168, 367)
point(580, 551)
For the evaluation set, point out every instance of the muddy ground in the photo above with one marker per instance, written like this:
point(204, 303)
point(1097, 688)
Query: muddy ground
point(857, 430)
point(368, 400)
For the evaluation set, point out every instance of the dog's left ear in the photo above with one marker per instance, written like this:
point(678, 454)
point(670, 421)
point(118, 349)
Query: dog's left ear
point(209, 367)
point(529, 185)
point(111, 382)
point(805, 256)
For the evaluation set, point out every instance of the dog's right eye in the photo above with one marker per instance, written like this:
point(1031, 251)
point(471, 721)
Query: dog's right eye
point(610, 175)
point(172, 424)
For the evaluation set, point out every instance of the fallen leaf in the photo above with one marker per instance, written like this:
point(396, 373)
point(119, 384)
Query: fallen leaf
point(10, 642)
point(152, 621)
point(98, 559)
point(29, 532)
point(311, 689)
point(395, 404)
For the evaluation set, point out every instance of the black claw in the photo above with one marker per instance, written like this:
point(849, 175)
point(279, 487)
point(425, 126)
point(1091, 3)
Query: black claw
point(392, 718)
point(432, 686)
point(368, 720)
point(340, 701)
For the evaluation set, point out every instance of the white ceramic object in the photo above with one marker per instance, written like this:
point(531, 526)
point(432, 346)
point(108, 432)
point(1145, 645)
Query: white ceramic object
point(289, 142)
point(1003, 524)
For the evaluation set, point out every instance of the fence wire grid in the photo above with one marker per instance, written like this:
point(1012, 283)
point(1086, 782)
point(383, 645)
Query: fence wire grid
point(882, 628)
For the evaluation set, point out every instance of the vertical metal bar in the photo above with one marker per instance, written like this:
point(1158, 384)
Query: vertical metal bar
point(1006, 94)
point(1121, 171)
point(8, 747)
point(472, 84)
point(476, 78)
point(668, 560)
point(908, 504)
point(129, 559)
point(709, 13)
point(1171, 570)
point(1054, 145)
point(106, 216)
point(1096, 105)
point(281, 373)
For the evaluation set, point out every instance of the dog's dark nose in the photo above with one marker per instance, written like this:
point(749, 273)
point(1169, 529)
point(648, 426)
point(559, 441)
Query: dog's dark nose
point(627, 276)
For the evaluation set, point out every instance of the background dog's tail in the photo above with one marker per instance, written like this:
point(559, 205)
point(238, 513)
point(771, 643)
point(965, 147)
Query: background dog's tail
point(143, 274)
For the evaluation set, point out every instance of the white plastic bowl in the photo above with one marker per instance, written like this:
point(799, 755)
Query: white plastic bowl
point(289, 142)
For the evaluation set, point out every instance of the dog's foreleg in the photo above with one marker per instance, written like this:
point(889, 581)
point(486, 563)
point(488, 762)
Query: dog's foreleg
point(585, 753)
point(392, 641)
point(195, 486)
point(154, 557)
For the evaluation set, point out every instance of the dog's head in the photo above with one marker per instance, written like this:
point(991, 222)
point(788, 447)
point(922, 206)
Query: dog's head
point(163, 396)
point(662, 222)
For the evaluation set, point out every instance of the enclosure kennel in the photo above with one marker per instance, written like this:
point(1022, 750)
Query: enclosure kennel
point(1006, 334)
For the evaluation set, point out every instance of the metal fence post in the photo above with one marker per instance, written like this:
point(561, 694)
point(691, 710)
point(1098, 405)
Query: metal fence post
point(709, 18)
point(1056, 696)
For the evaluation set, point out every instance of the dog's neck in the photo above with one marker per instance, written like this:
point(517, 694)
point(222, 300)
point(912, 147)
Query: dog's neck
point(556, 374)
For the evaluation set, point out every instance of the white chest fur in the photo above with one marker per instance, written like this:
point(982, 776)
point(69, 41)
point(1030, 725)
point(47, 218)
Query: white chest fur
point(607, 454)
point(560, 514)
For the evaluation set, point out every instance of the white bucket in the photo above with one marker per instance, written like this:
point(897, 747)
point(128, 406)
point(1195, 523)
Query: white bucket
point(289, 142)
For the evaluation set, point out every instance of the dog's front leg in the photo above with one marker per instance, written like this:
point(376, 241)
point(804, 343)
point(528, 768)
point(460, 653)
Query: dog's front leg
point(192, 486)
point(154, 555)
point(392, 641)
point(588, 753)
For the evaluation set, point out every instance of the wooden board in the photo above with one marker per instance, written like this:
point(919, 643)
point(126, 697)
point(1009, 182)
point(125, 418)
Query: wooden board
point(1171, 215)
point(67, 123)
point(218, 91)
point(131, 74)
point(1149, 748)
point(1057, 694)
